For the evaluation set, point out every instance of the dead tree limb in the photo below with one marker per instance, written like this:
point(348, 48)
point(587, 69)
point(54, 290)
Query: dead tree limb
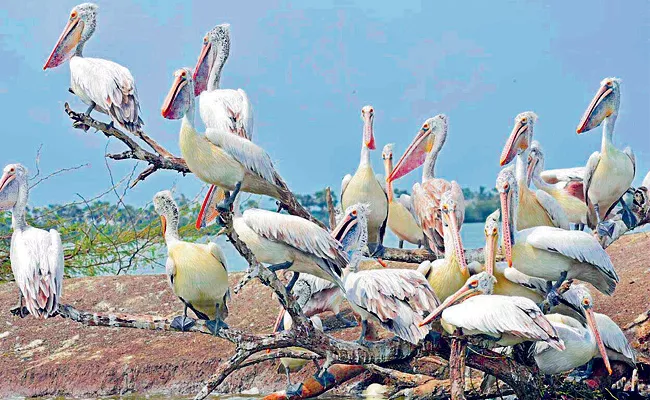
point(457, 367)
point(331, 211)
point(402, 379)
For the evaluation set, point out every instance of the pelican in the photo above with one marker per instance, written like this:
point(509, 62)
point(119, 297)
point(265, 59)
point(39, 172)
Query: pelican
point(289, 365)
point(509, 281)
point(395, 298)
point(448, 274)
point(571, 180)
point(401, 216)
point(549, 253)
point(103, 85)
point(197, 272)
point(537, 208)
point(36, 255)
point(575, 209)
point(219, 157)
point(502, 320)
point(426, 196)
point(363, 187)
point(582, 343)
point(292, 243)
point(316, 296)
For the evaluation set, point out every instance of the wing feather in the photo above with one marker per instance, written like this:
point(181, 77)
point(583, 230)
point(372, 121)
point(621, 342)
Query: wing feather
point(590, 168)
point(553, 209)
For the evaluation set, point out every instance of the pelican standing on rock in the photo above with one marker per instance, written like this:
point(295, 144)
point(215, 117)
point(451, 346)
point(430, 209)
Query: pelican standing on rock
point(610, 172)
point(103, 85)
point(36, 255)
point(197, 272)
point(549, 253)
point(536, 208)
point(363, 187)
point(219, 157)
point(426, 196)
point(401, 215)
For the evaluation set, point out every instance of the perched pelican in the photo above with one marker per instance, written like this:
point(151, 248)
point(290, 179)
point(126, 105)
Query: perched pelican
point(292, 243)
point(610, 172)
point(571, 180)
point(582, 343)
point(509, 281)
point(395, 298)
point(103, 85)
point(289, 365)
point(537, 208)
point(551, 253)
point(448, 274)
point(363, 187)
point(502, 320)
point(316, 296)
point(426, 196)
point(36, 255)
point(401, 216)
point(197, 272)
point(575, 209)
point(219, 157)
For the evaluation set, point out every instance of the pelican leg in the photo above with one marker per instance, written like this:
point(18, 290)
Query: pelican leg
point(401, 244)
point(225, 205)
point(626, 215)
point(182, 323)
point(292, 390)
point(20, 310)
point(281, 266)
point(552, 297)
point(91, 108)
point(323, 376)
point(362, 337)
point(376, 249)
point(216, 325)
point(581, 373)
point(292, 282)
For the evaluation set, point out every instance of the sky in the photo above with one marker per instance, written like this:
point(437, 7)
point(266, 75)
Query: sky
point(309, 68)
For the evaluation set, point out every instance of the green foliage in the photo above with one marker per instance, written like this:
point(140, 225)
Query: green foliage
point(316, 203)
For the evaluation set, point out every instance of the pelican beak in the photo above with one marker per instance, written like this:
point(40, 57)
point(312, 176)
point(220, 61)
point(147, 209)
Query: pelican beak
point(388, 168)
point(171, 108)
point(346, 225)
point(209, 213)
point(463, 293)
point(414, 155)
point(68, 41)
point(382, 263)
point(163, 224)
point(368, 130)
point(518, 140)
point(458, 242)
point(599, 109)
point(5, 180)
point(530, 169)
point(490, 252)
point(203, 68)
point(591, 321)
point(507, 226)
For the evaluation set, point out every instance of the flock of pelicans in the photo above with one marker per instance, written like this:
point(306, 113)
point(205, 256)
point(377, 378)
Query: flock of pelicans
point(527, 298)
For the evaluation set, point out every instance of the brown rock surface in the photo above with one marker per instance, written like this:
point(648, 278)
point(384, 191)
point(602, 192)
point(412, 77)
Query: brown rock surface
point(60, 357)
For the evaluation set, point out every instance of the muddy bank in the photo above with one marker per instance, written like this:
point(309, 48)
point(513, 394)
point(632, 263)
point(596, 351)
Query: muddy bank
point(60, 357)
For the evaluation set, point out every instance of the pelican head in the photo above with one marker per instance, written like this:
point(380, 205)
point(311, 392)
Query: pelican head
point(165, 206)
point(80, 26)
point(181, 95)
point(507, 188)
point(520, 137)
point(491, 240)
point(214, 53)
point(352, 229)
point(535, 161)
point(481, 283)
point(430, 138)
point(368, 117)
point(9, 185)
point(387, 152)
point(452, 210)
point(604, 104)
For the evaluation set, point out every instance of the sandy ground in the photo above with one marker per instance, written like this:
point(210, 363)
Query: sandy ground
point(60, 357)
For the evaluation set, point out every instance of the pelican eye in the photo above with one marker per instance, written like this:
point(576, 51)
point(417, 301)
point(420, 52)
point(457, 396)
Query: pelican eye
point(473, 284)
point(425, 127)
point(586, 302)
point(205, 40)
point(183, 74)
point(354, 212)
point(495, 231)
point(372, 110)
point(73, 15)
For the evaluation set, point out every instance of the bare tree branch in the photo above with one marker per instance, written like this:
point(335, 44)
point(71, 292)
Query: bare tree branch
point(330, 207)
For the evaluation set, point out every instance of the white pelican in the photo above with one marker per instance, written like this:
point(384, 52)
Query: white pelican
point(610, 172)
point(289, 365)
point(197, 272)
point(36, 255)
point(575, 209)
point(536, 208)
point(395, 298)
point(551, 253)
point(103, 85)
point(401, 215)
point(219, 157)
point(583, 341)
point(363, 187)
point(448, 274)
point(509, 281)
point(292, 243)
point(426, 196)
point(568, 179)
point(316, 296)
point(502, 320)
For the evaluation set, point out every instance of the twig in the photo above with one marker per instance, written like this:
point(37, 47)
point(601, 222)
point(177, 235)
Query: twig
point(330, 207)
point(402, 379)
point(303, 355)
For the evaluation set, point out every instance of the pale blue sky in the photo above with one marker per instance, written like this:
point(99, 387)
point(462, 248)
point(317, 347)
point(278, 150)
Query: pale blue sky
point(309, 69)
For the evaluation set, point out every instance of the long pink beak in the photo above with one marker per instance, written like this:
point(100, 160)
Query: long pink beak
point(458, 242)
point(490, 253)
point(464, 292)
point(67, 42)
point(368, 131)
point(602, 93)
point(202, 70)
point(505, 222)
point(514, 143)
point(591, 321)
point(413, 157)
point(167, 110)
point(5, 180)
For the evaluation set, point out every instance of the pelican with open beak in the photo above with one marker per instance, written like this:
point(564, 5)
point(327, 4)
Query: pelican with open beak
point(610, 172)
point(103, 85)
point(363, 186)
point(549, 253)
point(424, 149)
point(537, 208)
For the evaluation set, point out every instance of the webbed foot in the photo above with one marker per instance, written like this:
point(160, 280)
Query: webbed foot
point(325, 378)
point(377, 249)
point(182, 323)
point(216, 325)
point(294, 390)
point(19, 311)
